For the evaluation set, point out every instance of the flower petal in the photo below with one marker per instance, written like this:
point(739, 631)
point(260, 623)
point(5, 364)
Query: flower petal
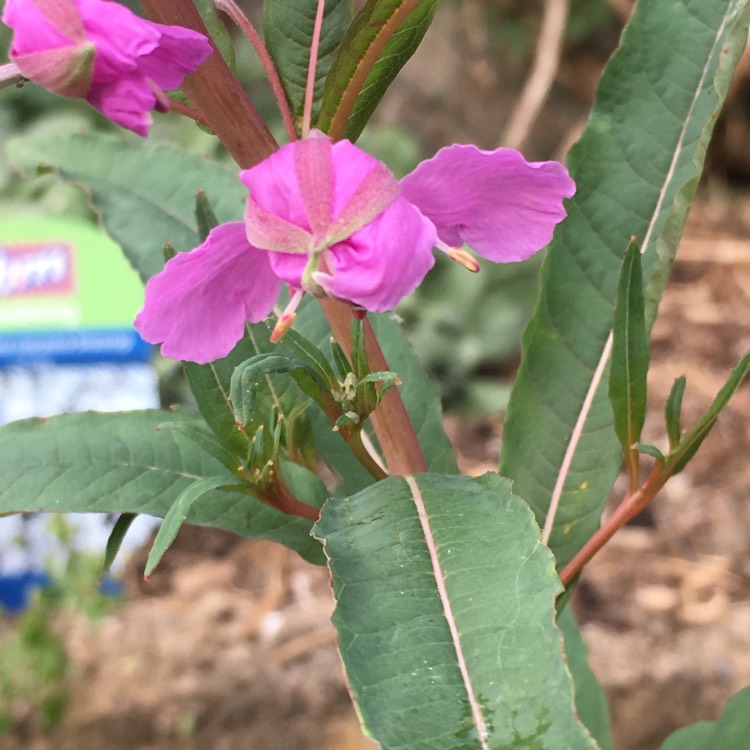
point(502, 206)
point(376, 266)
point(127, 101)
point(41, 26)
point(199, 304)
point(180, 51)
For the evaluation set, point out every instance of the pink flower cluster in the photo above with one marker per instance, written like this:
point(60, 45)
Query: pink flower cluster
point(102, 52)
point(329, 219)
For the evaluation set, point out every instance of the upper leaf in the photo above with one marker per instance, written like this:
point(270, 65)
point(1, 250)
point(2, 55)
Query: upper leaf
point(288, 30)
point(382, 37)
point(444, 596)
point(636, 167)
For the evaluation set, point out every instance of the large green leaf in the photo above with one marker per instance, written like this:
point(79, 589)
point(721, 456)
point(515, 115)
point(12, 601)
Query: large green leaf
point(591, 702)
point(382, 37)
point(144, 193)
point(288, 30)
point(730, 732)
point(445, 616)
point(636, 167)
point(134, 462)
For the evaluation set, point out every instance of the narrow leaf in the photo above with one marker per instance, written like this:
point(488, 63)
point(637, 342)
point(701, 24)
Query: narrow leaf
point(673, 412)
point(636, 169)
point(380, 40)
point(115, 539)
point(288, 30)
point(650, 450)
point(204, 215)
point(677, 460)
point(177, 515)
point(443, 594)
point(629, 369)
point(730, 732)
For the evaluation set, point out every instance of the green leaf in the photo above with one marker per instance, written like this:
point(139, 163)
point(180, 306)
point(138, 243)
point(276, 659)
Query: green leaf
point(204, 215)
point(730, 732)
point(591, 702)
point(444, 598)
point(116, 537)
point(673, 412)
point(211, 384)
point(380, 40)
point(630, 355)
point(636, 167)
point(131, 462)
point(288, 30)
point(177, 515)
point(649, 450)
point(217, 30)
point(243, 389)
point(677, 460)
point(144, 193)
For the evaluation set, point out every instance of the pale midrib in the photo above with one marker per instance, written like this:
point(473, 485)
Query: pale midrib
point(476, 709)
point(578, 428)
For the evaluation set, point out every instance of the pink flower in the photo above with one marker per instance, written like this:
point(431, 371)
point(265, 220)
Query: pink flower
point(104, 53)
point(329, 219)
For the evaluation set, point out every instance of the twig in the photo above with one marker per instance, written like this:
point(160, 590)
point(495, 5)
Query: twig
point(10, 75)
point(191, 112)
point(630, 507)
point(546, 63)
point(246, 27)
point(312, 66)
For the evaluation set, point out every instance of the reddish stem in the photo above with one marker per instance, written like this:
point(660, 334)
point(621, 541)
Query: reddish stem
point(630, 507)
point(252, 36)
point(186, 111)
point(311, 68)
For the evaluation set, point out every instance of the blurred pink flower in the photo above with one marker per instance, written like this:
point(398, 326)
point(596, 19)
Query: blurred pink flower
point(329, 219)
point(102, 52)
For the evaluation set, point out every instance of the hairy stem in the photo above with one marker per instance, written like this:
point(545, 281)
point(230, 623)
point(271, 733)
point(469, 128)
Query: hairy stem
point(246, 27)
point(312, 68)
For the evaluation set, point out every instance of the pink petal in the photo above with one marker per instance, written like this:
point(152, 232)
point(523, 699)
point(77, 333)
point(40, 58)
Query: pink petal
point(502, 206)
point(180, 51)
point(375, 267)
point(41, 26)
point(275, 184)
point(199, 304)
point(67, 71)
point(127, 101)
